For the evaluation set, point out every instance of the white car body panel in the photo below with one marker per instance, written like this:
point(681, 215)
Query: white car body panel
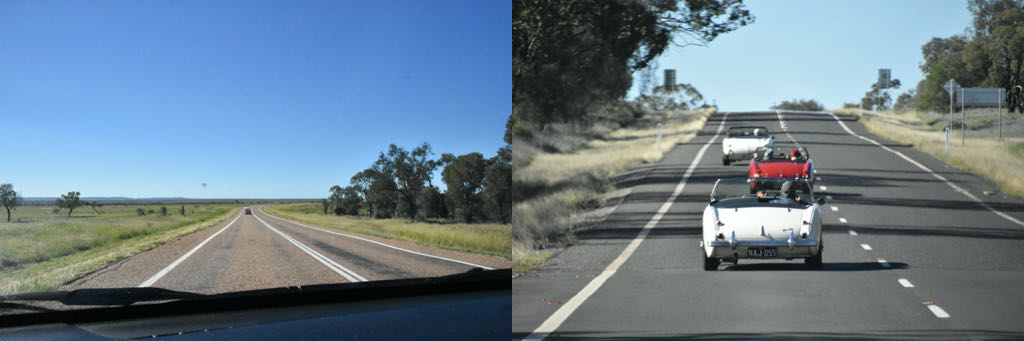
point(742, 148)
point(767, 225)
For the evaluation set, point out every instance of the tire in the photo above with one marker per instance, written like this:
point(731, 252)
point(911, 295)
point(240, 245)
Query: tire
point(815, 261)
point(725, 160)
point(710, 264)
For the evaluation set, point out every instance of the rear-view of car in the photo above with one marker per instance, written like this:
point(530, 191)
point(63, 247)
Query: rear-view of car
point(248, 210)
point(740, 143)
point(782, 163)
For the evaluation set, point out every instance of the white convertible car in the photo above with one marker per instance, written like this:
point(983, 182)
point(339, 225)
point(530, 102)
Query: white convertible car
point(762, 218)
point(741, 142)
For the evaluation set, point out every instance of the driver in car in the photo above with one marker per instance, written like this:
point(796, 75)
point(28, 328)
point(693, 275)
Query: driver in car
point(794, 155)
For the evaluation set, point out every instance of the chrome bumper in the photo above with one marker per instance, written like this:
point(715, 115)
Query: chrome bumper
point(792, 242)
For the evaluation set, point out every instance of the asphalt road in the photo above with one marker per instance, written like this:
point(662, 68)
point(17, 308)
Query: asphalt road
point(263, 251)
point(906, 254)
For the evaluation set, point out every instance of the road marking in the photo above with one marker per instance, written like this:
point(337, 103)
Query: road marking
point(853, 233)
point(938, 311)
point(823, 188)
point(834, 209)
point(884, 263)
point(937, 176)
point(905, 283)
point(865, 247)
point(556, 319)
point(785, 129)
point(174, 264)
point(842, 220)
point(828, 197)
point(378, 243)
point(350, 275)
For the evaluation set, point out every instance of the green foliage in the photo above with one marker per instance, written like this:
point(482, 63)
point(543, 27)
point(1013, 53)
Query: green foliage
point(70, 201)
point(905, 101)
point(163, 211)
point(570, 55)
point(139, 211)
point(990, 54)
point(464, 176)
point(410, 171)
point(9, 198)
point(497, 186)
point(800, 105)
point(877, 98)
point(431, 204)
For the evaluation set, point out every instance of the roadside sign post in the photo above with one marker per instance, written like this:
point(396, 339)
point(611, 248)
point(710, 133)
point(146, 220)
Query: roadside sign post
point(981, 97)
point(1000, 115)
point(657, 144)
point(963, 119)
point(946, 147)
point(951, 87)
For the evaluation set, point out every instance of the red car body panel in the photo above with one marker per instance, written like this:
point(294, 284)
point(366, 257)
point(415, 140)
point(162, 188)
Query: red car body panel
point(778, 168)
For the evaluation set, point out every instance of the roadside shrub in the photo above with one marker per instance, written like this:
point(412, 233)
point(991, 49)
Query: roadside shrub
point(140, 211)
point(150, 211)
point(163, 211)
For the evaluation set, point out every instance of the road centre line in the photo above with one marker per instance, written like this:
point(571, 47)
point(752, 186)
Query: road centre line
point(559, 316)
point(378, 243)
point(937, 176)
point(853, 233)
point(884, 263)
point(865, 247)
point(178, 261)
point(782, 123)
point(834, 209)
point(823, 188)
point(350, 275)
point(905, 283)
point(842, 220)
point(938, 311)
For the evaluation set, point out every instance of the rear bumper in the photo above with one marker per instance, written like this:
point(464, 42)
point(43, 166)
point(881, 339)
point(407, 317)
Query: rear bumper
point(784, 249)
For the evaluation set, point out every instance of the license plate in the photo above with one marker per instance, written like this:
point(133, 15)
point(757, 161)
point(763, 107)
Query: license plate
point(757, 252)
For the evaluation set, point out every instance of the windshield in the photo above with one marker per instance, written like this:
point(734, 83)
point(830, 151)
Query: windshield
point(212, 148)
point(752, 132)
point(797, 190)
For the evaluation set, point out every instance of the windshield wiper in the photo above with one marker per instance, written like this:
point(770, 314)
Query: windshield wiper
point(104, 296)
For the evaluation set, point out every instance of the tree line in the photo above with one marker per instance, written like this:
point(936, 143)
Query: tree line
point(990, 53)
point(569, 56)
point(400, 184)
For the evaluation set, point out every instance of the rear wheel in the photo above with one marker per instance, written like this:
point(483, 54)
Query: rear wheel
point(710, 264)
point(816, 260)
point(725, 160)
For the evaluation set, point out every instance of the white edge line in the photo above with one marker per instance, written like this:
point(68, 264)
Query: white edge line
point(174, 264)
point(905, 283)
point(938, 311)
point(350, 275)
point(937, 176)
point(555, 320)
point(378, 243)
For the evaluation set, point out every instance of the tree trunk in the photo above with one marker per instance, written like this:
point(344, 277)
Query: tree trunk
point(69, 212)
point(8, 214)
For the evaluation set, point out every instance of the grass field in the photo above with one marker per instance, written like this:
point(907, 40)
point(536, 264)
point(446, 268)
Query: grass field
point(41, 249)
point(574, 181)
point(488, 239)
point(982, 154)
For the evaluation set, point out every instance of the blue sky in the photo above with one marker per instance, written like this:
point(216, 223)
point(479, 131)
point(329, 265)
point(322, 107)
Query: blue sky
point(258, 99)
point(826, 50)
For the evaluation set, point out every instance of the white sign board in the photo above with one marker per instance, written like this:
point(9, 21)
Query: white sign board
point(981, 97)
point(951, 87)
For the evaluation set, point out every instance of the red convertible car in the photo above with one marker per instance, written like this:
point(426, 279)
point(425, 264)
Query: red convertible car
point(777, 163)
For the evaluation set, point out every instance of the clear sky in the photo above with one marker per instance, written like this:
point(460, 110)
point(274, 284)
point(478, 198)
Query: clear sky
point(258, 99)
point(825, 50)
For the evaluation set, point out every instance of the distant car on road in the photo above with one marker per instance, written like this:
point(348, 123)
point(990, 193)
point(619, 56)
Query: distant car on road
point(741, 142)
point(778, 163)
point(248, 210)
point(781, 220)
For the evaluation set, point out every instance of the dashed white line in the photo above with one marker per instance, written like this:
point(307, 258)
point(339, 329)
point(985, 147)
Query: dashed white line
point(853, 233)
point(905, 283)
point(834, 209)
point(865, 247)
point(559, 316)
point(938, 311)
point(174, 264)
point(842, 220)
point(785, 129)
point(937, 176)
point(884, 263)
point(823, 188)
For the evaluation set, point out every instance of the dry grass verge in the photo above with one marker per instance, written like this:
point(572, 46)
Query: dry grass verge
point(572, 182)
point(999, 161)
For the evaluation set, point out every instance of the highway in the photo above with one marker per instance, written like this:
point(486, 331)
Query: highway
point(914, 249)
point(261, 251)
